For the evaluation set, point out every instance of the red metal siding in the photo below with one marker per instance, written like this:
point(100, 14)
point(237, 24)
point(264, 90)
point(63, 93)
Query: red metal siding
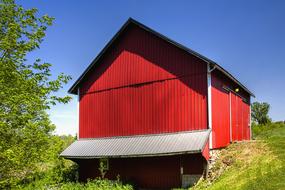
point(161, 107)
point(234, 116)
point(206, 151)
point(148, 172)
point(220, 114)
point(143, 86)
point(226, 105)
point(139, 57)
point(240, 119)
point(246, 121)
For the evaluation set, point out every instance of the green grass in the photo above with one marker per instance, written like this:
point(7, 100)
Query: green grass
point(259, 164)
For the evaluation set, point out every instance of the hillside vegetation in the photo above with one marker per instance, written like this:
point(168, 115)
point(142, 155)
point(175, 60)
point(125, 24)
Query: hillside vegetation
point(258, 164)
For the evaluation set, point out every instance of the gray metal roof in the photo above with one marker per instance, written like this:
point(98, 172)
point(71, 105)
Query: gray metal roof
point(139, 146)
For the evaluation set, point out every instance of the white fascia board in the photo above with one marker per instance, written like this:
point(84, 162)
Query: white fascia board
point(209, 81)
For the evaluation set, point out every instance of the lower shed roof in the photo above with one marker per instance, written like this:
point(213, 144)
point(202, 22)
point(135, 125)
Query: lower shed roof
point(138, 146)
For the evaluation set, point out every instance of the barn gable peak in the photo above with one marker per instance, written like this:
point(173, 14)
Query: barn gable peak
point(131, 22)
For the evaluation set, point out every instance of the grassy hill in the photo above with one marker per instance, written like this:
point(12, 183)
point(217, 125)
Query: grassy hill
point(258, 164)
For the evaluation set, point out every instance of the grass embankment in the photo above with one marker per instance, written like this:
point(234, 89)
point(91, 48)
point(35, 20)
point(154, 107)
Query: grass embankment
point(258, 164)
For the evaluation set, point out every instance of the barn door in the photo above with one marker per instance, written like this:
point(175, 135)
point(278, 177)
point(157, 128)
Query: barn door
point(239, 118)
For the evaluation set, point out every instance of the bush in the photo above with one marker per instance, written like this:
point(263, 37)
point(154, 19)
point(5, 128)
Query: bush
point(97, 184)
point(264, 131)
point(57, 173)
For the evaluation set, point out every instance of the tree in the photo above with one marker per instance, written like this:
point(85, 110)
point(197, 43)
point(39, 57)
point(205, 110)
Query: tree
point(259, 112)
point(27, 91)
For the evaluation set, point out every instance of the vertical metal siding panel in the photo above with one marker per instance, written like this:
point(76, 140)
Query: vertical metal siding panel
point(234, 118)
point(180, 106)
point(184, 111)
point(220, 115)
point(176, 109)
point(168, 103)
point(203, 106)
point(89, 114)
point(242, 120)
point(88, 102)
point(144, 113)
point(248, 121)
point(239, 119)
point(192, 106)
point(245, 121)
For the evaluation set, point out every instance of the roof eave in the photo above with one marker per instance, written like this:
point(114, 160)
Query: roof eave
point(134, 156)
point(234, 79)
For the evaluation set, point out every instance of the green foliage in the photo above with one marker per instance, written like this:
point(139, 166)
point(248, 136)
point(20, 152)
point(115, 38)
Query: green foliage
point(53, 170)
point(27, 91)
point(29, 153)
point(97, 184)
point(259, 112)
point(265, 131)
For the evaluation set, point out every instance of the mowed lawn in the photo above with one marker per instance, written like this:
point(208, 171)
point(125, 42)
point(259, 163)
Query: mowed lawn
point(259, 164)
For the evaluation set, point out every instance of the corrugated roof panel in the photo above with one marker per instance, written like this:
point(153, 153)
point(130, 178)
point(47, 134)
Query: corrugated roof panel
point(138, 146)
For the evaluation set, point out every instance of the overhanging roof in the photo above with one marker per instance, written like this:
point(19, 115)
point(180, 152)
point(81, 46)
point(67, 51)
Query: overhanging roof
point(74, 87)
point(138, 146)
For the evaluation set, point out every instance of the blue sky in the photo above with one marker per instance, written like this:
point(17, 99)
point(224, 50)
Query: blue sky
point(245, 37)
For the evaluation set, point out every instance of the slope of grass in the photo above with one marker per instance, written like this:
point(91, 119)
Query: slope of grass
point(259, 164)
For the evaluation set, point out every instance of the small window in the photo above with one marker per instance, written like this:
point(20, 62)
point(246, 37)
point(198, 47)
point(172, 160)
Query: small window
point(104, 163)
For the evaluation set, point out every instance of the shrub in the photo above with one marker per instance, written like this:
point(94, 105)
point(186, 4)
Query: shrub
point(264, 131)
point(97, 184)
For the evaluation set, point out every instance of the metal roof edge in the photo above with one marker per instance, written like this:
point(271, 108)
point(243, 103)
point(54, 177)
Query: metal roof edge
point(204, 145)
point(200, 136)
point(133, 156)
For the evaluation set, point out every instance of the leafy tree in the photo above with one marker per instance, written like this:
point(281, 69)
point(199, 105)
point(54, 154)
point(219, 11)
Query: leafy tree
point(259, 112)
point(27, 91)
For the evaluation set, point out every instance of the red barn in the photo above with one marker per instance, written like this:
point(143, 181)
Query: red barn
point(150, 109)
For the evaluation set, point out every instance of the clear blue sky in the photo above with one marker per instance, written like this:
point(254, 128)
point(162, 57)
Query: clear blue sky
point(245, 37)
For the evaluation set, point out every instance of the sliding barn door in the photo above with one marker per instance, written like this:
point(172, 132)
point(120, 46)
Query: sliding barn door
point(240, 118)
